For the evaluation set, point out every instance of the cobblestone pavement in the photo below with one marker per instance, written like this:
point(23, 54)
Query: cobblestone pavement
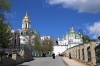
point(45, 61)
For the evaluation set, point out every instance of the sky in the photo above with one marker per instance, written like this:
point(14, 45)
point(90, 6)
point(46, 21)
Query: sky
point(56, 17)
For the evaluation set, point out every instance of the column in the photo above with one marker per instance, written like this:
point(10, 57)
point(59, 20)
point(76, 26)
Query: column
point(92, 48)
point(77, 53)
point(85, 52)
point(81, 53)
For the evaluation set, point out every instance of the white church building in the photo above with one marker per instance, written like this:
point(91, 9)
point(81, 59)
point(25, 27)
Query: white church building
point(26, 33)
point(71, 39)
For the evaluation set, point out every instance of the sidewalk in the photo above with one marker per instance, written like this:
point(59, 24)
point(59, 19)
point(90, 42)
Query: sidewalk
point(72, 62)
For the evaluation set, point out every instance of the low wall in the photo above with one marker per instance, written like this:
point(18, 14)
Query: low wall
point(8, 61)
point(80, 52)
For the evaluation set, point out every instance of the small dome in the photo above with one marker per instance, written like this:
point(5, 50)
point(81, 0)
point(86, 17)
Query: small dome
point(72, 29)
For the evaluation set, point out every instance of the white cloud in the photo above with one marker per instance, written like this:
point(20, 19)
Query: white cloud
point(12, 30)
point(94, 29)
point(15, 30)
point(90, 6)
point(19, 29)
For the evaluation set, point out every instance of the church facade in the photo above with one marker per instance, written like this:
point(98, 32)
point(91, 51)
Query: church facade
point(26, 33)
point(71, 38)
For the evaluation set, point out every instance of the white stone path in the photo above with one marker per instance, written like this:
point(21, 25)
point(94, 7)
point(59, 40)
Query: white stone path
point(45, 61)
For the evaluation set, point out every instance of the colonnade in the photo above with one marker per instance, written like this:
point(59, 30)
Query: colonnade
point(80, 52)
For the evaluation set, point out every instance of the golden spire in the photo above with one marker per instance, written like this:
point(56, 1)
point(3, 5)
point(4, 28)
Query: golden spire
point(63, 35)
point(26, 13)
point(58, 36)
point(66, 32)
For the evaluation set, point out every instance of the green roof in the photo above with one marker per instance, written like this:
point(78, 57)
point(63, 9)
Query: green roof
point(76, 33)
point(73, 33)
point(35, 31)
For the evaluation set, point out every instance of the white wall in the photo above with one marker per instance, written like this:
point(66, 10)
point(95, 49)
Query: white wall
point(59, 49)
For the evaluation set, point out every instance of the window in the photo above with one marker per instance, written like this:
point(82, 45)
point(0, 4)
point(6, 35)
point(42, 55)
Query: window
point(21, 33)
point(26, 25)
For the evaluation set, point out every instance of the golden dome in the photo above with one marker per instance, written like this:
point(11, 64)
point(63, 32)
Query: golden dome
point(26, 18)
point(72, 29)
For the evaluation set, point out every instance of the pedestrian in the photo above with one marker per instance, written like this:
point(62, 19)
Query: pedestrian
point(69, 55)
point(59, 54)
point(43, 55)
point(53, 55)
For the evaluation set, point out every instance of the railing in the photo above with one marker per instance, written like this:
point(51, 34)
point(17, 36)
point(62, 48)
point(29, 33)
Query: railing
point(25, 47)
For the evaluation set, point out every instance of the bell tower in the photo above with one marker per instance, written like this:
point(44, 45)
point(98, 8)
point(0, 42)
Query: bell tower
point(26, 23)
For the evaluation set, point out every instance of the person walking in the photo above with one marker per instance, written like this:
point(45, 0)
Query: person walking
point(69, 55)
point(53, 55)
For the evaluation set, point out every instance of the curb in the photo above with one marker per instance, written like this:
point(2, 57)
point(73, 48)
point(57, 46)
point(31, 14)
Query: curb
point(64, 62)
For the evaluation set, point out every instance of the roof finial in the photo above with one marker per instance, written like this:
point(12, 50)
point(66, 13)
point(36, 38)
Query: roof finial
point(72, 25)
point(63, 35)
point(26, 13)
point(58, 36)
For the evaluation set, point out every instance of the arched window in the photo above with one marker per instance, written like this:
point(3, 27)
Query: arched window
point(26, 25)
point(21, 33)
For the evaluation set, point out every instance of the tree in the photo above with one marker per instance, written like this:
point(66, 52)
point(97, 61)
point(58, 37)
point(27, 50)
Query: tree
point(5, 6)
point(36, 44)
point(5, 28)
point(47, 46)
point(50, 45)
point(5, 35)
point(85, 38)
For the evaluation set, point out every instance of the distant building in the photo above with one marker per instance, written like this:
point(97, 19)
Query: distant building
point(48, 37)
point(71, 39)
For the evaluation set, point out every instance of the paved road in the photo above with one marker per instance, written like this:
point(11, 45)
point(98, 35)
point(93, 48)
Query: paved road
point(45, 61)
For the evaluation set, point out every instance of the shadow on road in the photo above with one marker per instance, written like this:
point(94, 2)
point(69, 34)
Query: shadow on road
point(24, 62)
point(22, 65)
